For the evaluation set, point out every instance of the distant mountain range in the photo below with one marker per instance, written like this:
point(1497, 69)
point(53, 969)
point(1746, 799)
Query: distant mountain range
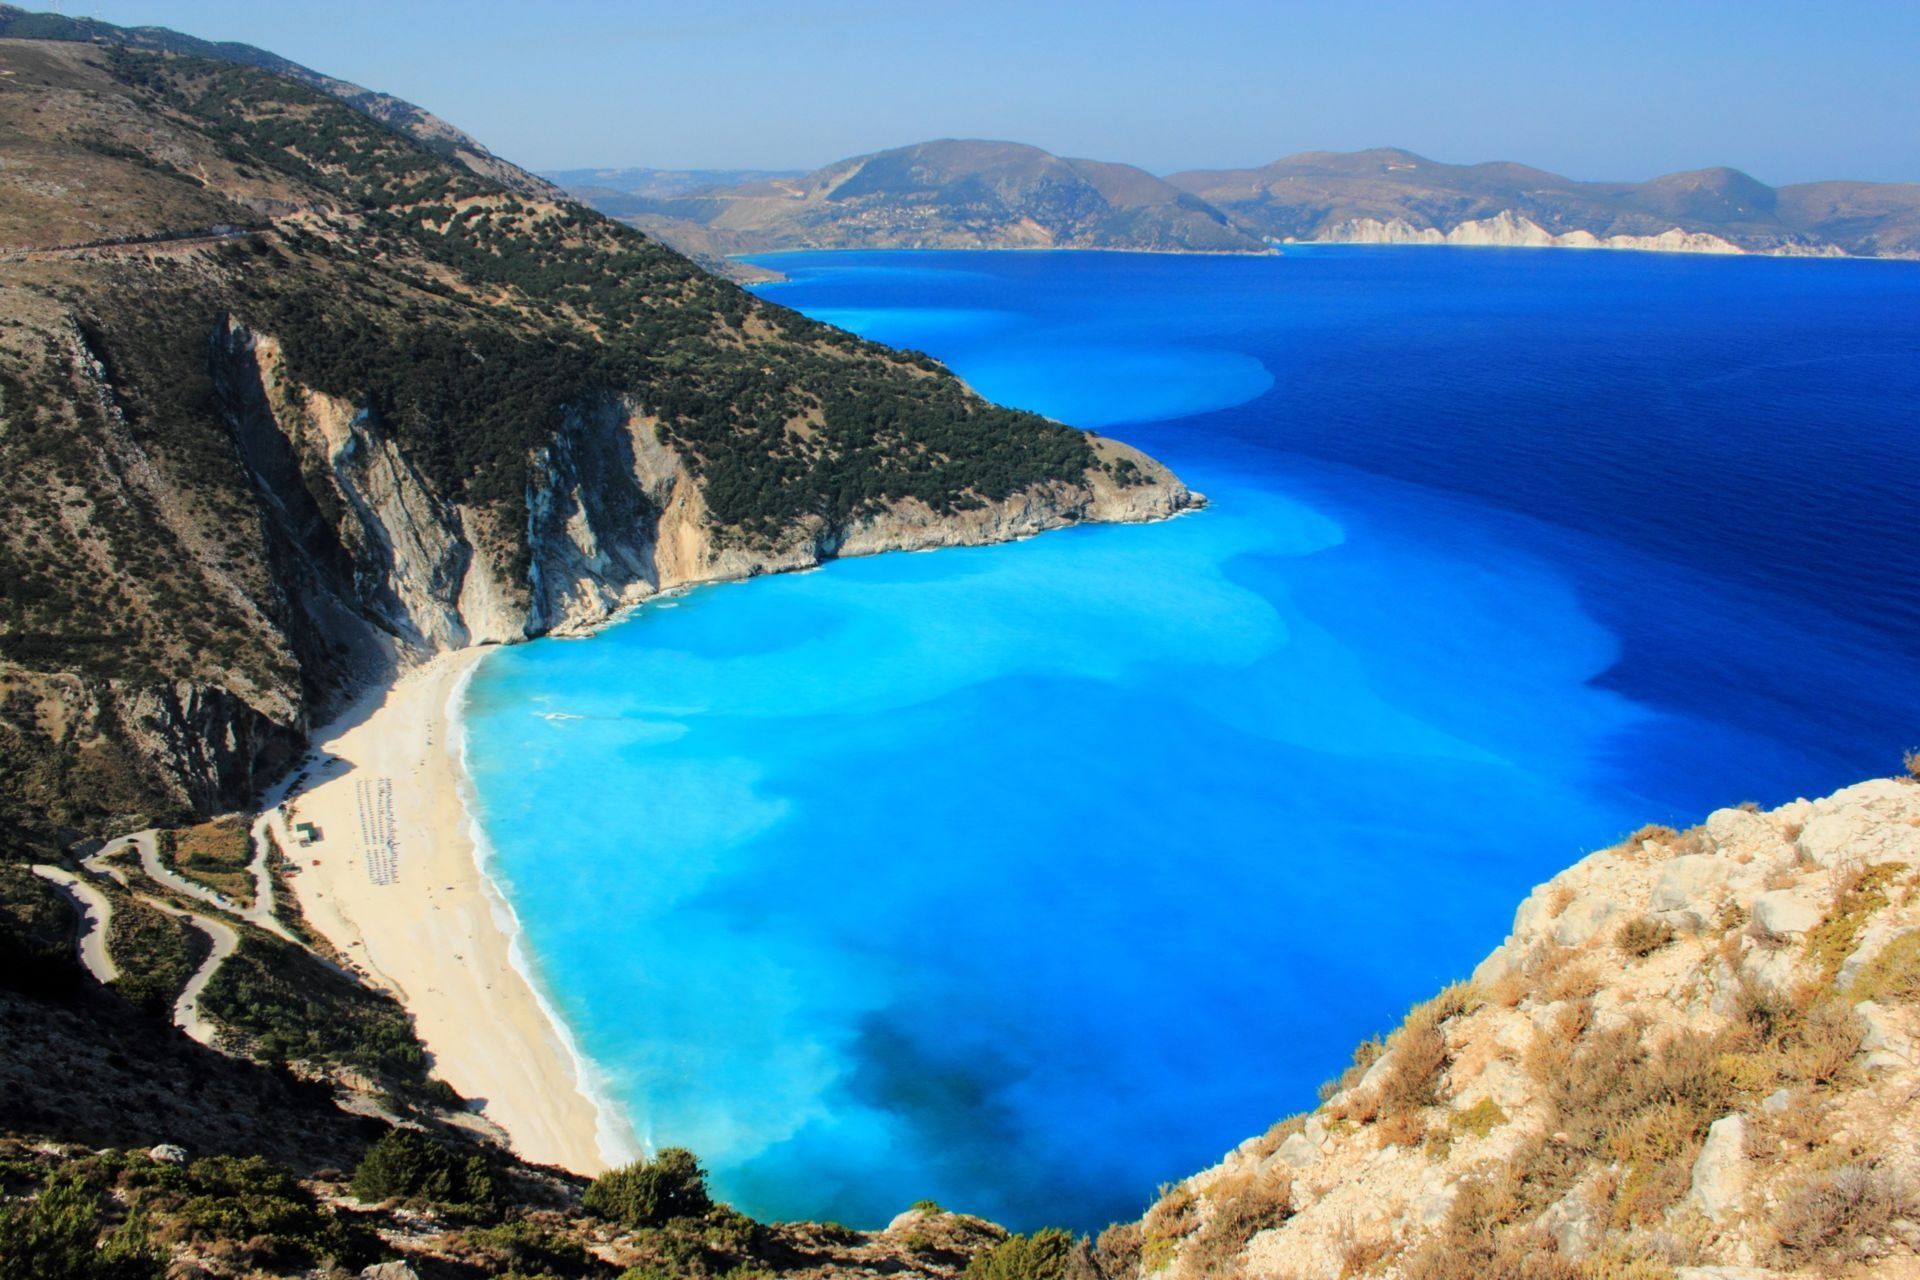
point(974, 194)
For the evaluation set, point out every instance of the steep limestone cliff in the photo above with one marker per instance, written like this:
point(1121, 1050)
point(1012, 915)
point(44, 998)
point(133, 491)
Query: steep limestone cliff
point(615, 515)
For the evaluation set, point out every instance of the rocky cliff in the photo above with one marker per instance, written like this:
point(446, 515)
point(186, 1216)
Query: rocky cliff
point(1695, 1057)
point(291, 400)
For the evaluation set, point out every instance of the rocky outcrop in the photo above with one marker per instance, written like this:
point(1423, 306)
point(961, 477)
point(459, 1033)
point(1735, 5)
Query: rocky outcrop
point(1694, 1055)
point(1510, 230)
point(613, 516)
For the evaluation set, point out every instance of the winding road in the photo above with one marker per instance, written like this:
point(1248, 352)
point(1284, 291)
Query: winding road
point(96, 917)
point(96, 911)
point(260, 914)
point(186, 1010)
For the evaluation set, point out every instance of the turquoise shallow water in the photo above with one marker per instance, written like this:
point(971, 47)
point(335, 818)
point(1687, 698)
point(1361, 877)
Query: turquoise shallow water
point(1026, 877)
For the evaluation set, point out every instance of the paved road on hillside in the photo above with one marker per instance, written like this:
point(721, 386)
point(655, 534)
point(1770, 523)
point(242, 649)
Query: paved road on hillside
point(96, 917)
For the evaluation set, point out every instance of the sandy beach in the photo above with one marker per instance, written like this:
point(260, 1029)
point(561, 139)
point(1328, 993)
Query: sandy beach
point(423, 921)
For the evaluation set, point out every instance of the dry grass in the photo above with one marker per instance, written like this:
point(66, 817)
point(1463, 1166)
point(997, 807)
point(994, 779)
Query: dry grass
point(1858, 895)
point(1118, 1249)
point(1240, 1206)
point(1894, 974)
point(214, 854)
point(1643, 936)
point(1654, 832)
point(1416, 1064)
point(1174, 1217)
point(1365, 1054)
point(1779, 1041)
point(1366, 1254)
point(1563, 975)
point(1837, 1215)
point(1280, 1131)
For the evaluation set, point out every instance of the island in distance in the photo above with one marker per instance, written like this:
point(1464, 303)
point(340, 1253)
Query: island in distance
point(969, 194)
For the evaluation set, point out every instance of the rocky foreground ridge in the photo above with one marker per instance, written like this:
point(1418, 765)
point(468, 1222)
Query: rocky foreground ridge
point(1696, 1057)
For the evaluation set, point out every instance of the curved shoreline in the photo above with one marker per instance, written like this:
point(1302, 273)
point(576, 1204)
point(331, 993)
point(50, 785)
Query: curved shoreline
point(613, 1132)
point(396, 883)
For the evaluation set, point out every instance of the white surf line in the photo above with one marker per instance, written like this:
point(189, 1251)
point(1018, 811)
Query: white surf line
point(96, 917)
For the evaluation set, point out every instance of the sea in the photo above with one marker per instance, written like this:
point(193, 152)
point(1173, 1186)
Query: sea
point(1025, 878)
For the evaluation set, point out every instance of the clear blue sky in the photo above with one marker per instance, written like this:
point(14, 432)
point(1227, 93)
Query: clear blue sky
point(1787, 91)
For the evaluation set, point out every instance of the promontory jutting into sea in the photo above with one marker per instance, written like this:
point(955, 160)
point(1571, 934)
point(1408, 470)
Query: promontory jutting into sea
point(707, 711)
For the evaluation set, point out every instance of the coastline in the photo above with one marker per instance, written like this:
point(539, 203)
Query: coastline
point(432, 926)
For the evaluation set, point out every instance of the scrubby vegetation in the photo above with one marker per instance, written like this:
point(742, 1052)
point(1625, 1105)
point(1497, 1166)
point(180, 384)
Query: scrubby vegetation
point(1893, 973)
point(407, 1165)
point(155, 952)
point(1642, 936)
point(651, 1192)
point(61, 1234)
point(1047, 1254)
point(282, 1006)
point(216, 854)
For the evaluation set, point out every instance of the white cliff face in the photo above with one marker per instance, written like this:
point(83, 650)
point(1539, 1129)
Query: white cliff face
point(1508, 229)
point(614, 516)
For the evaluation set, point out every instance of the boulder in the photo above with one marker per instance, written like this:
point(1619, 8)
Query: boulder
point(1299, 1150)
point(1785, 911)
point(1584, 917)
point(167, 1153)
point(1877, 935)
point(1573, 1223)
point(1881, 1038)
point(1719, 1172)
point(1688, 882)
point(1863, 825)
point(389, 1271)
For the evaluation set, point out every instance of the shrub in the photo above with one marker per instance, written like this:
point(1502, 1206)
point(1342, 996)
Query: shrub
point(1242, 1206)
point(649, 1193)
point(57, 1236)
point(1642, 937)
point(1860, 895)
point(1047, 1254)
point(1118, 1249)
point(406, 1164)
point(1480, 1119)
point(255, 1209)
point(522, 1249)
point(1894, 974)
point(1828, 1216)
point(1171, 1220)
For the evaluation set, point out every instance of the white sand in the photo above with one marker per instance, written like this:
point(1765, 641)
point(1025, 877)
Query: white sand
point(436, 932)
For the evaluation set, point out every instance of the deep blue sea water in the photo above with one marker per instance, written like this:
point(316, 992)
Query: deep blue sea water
point(1027, 877)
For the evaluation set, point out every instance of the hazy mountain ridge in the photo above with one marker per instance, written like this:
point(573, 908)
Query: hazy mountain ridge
point(951, 194)
point(1312, 195)
point(962, 194)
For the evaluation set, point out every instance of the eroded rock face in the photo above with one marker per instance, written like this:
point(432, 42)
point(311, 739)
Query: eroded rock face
point(1719, 1172)
point(1743, 912)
